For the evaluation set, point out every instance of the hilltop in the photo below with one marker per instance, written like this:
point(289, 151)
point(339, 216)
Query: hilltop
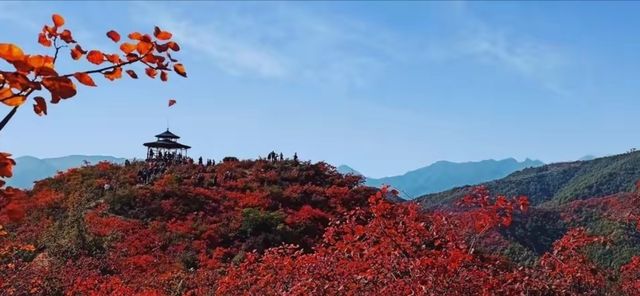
point(558, 183)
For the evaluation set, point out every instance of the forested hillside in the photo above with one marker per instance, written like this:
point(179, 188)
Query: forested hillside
point(289, 227)
point(558, 183)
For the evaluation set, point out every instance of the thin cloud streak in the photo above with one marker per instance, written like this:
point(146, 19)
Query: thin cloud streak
point(286, 43)
point(534, 59)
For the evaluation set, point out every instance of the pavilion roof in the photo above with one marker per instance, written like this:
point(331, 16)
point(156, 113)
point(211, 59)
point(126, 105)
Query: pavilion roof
point(167, 135)
point(166, 144)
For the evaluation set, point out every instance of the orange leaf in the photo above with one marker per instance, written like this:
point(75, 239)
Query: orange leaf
point(113, 75)
point(179, 68)
point(114, 58)
point(14, 101)
point(42, 39)
point(132, 74)
point(60, 87)
point(77, 52)
point(144, 47)
point(84, 78)
point(40, 107)
point(135, 36)
point(58, 20)
point(113, 35)
point(162, 35)
point(164, 76)
point(95, 57)
point(5, 93)
point(10, 52)
point(66, 36)
point(127, 48)
point(38, 61)
point(151, 72)
point(174, 46)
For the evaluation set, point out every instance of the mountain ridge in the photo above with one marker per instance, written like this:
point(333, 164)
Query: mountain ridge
point(557, 183)
point(442, 175)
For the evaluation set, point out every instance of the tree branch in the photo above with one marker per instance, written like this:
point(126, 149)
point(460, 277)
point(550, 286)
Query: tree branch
point(110, 67)
point(6, 119)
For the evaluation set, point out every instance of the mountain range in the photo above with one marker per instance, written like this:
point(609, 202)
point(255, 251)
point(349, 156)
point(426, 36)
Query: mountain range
point(29, 169)
point(557, 183)
point(443, 175)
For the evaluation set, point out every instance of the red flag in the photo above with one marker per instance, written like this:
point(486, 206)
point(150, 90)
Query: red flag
point(172, 102)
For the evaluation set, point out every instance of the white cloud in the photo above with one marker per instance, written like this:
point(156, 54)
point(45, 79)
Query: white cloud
point(282, 42)
point(233, 55)
point(537, 60)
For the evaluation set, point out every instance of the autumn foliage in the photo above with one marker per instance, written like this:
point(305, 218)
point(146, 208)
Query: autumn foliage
point(280, 228)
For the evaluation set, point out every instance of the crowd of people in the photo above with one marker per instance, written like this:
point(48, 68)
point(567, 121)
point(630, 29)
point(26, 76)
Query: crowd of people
point(168, 157)
point(157, 163)
point(151, 171)
point(273, 156)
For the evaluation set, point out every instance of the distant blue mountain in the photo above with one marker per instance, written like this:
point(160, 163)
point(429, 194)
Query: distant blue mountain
point(587, 157)
point(29, 169)
point(444, 175)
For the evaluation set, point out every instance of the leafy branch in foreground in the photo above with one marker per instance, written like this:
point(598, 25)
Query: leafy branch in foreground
point(35, 76)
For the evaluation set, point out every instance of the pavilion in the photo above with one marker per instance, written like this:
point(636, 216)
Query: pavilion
point(166, 144)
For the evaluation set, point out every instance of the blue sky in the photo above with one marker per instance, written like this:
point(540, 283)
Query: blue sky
point(384, 87)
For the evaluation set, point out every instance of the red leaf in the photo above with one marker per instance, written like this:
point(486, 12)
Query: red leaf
point(113, 75)
point(179, 68)
point(60, 87)
point(113, 35)
point(135, 36)
point(132, 74)
point(84, 78)
point(40, 107)
point(58, 20)
point(42, 39)
point(66, 36)
point(162, 35)
point(95, 57)
point(151, 72)
point(127, 48)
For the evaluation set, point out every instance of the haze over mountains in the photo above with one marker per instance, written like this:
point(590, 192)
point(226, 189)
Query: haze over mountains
point(443, 175)
point(29, 169)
